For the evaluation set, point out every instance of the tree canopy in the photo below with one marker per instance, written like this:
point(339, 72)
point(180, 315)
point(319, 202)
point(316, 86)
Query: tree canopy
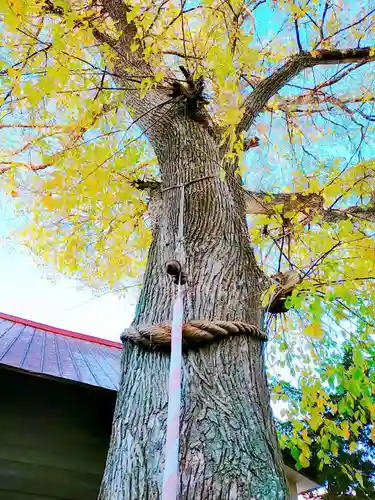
point(288, 87)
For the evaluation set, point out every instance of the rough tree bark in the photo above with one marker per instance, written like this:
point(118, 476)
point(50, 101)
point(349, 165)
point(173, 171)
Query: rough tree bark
point(229, 448)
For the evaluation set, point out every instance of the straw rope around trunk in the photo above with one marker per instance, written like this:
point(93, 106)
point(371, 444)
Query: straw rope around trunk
point(194, 333)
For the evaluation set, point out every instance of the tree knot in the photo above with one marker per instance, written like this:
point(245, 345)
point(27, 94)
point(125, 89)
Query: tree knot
point(175, 270)
point(192, 91)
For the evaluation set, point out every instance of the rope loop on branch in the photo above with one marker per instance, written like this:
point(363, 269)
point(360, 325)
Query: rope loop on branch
point(194, 333)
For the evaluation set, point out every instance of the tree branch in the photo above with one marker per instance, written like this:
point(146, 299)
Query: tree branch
point(268, 87)
point(309, 204)
point(151, 111)
point(300, 48)
point(317, 99)
point(258, 203)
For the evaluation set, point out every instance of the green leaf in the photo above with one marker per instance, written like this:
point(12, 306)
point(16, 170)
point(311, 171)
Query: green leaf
point(359, 478)
point(298, 465)
point(295, 452)
point(159, 76)
point(222, 174)
point(325, 442)
point(358, 374)
point(358, 357)
point(342, 406)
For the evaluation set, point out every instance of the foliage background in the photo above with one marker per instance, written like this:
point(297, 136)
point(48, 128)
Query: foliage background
point(72, 157)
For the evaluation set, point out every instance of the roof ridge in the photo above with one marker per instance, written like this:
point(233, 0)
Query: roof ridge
point(60, 331)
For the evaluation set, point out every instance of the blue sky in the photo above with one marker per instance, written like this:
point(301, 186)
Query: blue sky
point(32, 292)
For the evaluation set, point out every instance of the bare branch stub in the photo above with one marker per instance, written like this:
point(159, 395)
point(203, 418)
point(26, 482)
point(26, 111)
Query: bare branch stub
point(250, 143)
point(174, 269)
point(192, 91)
point(286, 283)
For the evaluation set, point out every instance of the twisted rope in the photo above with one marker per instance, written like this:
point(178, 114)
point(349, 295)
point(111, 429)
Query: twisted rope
point(194, 333)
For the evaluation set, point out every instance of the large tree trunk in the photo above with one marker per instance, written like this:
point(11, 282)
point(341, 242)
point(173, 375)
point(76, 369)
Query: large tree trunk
point(228, 444)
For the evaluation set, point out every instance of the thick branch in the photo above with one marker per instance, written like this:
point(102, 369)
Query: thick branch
point(309, 204)
point(150, 112)
point(268, 87)
point(314, 100)
point(128, 66)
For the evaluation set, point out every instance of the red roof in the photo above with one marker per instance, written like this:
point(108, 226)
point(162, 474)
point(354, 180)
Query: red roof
point(47, 350)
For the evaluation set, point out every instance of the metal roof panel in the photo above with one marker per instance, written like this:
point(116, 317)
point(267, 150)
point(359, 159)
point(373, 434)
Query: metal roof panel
point(47, 350)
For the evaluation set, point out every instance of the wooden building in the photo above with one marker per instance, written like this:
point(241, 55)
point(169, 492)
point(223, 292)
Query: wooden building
point(58, 392)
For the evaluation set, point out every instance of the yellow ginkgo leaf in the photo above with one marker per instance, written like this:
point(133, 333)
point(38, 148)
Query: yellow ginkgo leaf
point(314, 330)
